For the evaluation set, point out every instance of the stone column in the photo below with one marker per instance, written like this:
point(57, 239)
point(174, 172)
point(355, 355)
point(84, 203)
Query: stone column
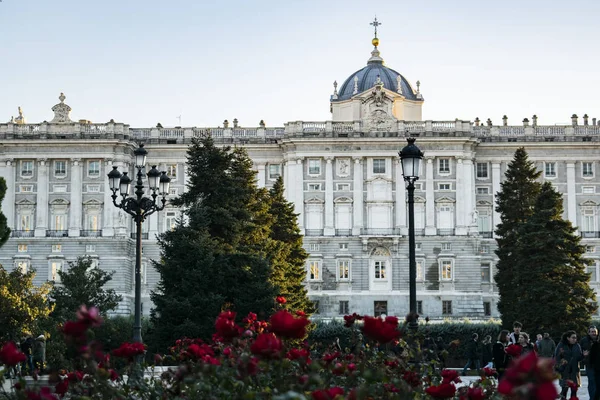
point(495, 189)
point(108, 220)
point(469, 174)
point(571, 194)
point(186, 178)
point(291, 180)
point(299, 197)
point(400, 198)
point(358, 204)
point(7, 171)
point(152, 222)
point(430, 228)
point(461, 210)
point(76, 198)
point(329, 224)
point(41, 218)
point(261, 175)
point(286, 173)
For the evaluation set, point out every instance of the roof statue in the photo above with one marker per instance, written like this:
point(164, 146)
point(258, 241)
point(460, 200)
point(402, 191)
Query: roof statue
point(61, 112)
point(335, 92)
point(20, 120)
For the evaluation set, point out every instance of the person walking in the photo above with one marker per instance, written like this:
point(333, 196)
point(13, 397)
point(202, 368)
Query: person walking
point(487, 352)
point(499, 354)
point(547, 346)
point(586, 345)
point(39, 353)
point(27, 349)
point(568, 356)
point(513, 338)
point(473, 354)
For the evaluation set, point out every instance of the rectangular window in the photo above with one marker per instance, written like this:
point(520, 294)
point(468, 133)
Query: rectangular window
point(344, 246)
point(418, 247)
point(314, 270)
point(443, 165)
point(90, 248)
point(56, 248)
point(380, 272)
point(62, 188)
point(550, 170)
point(420, 307)
point(343, 187)
point(173, 191)
point(92, 188)
point(484, 221)
point(55, 268)
point(92, 222)
point(587, 169)
point(22, 265)
point(27, 168)
point(94, 168)
point(60, 168)
point(485, 249)
point(588, 223)
point(274, 171)
point(447, 307)
point(591, 269)
point(343, 269)
point(344, 307)
point(379, 166)
point(446, 246)
point(26, 222)
point(314, 246)
point(444, 186)
point(26, 188)
point(486, 273)
point(588, 189)
point(482, 170)
point(420, 270)
point(483, 190)
point(380, 308)
point(446, 267)
point(487, 308)
point(170, 220)
point(314, 166)
point(314, 187)
point(172, 171)
point(22, 248)
point(60, 222)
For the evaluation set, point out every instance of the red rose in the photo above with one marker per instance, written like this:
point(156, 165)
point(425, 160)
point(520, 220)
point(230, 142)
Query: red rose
point(413, 378)
point(90, 317)
point(10, 355)
point(300, 313)
point(267, 345)
point(514, 350)
point(286, 325)
point(75, 329)
point(281, 300)
point(113, 375)
point(295, 354)
point(130, 350)
point(350, 319)
point(489, 371)
point(381, 331)
point(443, 391)
point(450, 375)
point(327, 394)
point(475, 394)
point(200, 352)
point(226, 327)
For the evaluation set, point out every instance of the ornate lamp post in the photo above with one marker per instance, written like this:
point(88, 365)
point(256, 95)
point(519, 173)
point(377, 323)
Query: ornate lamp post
point(139, 208)
point(411, 163)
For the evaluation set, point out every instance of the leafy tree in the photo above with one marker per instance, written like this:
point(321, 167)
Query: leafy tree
point(4, 229)
point(552, 269)
point(82, 284)
point(515, 202)
point(22, 304)
point(289, 271)
point(219, 259)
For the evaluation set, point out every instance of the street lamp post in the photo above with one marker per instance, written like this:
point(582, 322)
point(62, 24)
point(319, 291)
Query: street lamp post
point(139, 208)
point(411, 162)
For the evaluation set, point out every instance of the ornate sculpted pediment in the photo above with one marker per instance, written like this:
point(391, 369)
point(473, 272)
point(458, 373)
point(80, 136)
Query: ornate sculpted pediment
point(380, 252)
point(61, 112)
point(377, 108)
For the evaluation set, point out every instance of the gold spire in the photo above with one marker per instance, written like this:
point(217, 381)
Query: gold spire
point(375, 24)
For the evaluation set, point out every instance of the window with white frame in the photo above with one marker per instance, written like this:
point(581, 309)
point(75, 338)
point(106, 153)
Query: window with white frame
point(25, 220)
point(22, 265)
point(94, 168)
point(343, 270)
point(380, 269)
point(420, 270)
point(587, 169)
point(380, 308)
point(54, 268)
point(588, 219)
point(484, 221)
point(173, 191)
point(443, 165)
point(59, 220)
point(26, 168)
point(446, 270)
point(62, 188)
point(90, 248)
point(481, 170)
point(170, 220)
point(446, 246)
point(485, 249)
point(550, 169)
point(379, 166)
point(172, 172)
point(343, 246)
point(314, 187)
point(314, 246)
point(486, 272)
point(343, 187)
point(314, 216)
point(274, 171)
point(444, 186)
point(92, 221)
point(314, 166)
point(26, 188)
point(592, 269)
point(60, 168)
point(56, 248)
point(22, 248)
point(483, 190)
point(447, 307)
point(588, 189)
point(314, 270)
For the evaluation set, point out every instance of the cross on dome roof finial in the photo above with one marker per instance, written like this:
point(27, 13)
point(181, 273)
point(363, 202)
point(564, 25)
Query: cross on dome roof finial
point(375, 24)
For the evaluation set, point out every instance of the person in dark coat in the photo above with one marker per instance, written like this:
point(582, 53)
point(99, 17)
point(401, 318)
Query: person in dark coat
point(499, 354)
point(473, 354)
point(487, 352)
point(586, 345)
point(594, 360)
point(525, 343)
point(27, 349)
point(547, 346)
point(568, 356)
point(39, 353)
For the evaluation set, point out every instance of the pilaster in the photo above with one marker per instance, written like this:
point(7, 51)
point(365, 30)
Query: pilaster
point(461, 212)
point(76, 198)
point(41, 219)
point(429, 199)
point(261, 176)
point(7, 171)
point(495, 189)
point(571, 194)
point(329, 225)
point(299, 198)
point(400, 198)
point(358, 196)
point(109, 209)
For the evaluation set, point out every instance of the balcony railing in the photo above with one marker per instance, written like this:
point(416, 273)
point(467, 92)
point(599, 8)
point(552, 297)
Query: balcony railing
point(445, 232)
point(22, 233)
point(380, 231)
point(144, 235)
point(90, 233)
point(57, 233)
point(313, 232)
point(486, 235)
point(343, 232)
point(590, 234)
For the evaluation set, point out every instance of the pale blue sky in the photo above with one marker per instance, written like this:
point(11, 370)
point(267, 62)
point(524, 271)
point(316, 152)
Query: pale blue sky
point(143, 62)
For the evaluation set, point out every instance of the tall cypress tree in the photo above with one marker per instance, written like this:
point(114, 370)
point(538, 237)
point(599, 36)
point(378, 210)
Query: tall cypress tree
point(551, 269)
point(4, 229)
point(215, 260)
point(289, 270)
point(515, 203)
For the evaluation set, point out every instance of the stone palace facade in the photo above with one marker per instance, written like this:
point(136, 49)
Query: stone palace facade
point(344, 178)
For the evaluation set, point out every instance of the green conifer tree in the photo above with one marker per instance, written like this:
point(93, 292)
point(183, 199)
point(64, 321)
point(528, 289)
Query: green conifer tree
point(4, 229)
point(289, 262)
point(515, 203)
point(556, 295)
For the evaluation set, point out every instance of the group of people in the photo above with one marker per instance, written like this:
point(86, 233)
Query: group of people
point(35, 352)
point(570, 355)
